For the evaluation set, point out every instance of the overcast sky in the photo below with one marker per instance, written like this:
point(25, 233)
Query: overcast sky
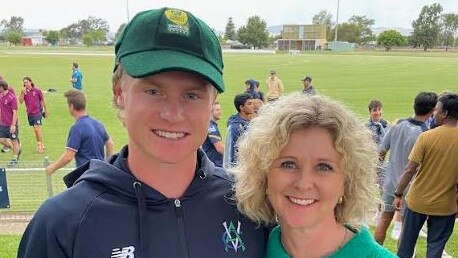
point(57, 14)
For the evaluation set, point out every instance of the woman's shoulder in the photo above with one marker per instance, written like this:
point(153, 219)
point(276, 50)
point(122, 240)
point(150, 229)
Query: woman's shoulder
point(363, 245)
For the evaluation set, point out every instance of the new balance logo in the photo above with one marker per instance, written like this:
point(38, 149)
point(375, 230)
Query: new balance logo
point(125, 252)
point(232, 237)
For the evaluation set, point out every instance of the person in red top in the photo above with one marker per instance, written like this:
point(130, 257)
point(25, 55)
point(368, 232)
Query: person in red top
point(8, 121)
point(5, 148)
point(36, 109)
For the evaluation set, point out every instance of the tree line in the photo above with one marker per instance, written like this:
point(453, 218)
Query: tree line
point(432, 28)
point(91, 31)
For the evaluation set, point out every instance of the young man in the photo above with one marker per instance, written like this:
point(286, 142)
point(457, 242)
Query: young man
point(9, 133)
point(236, 125)
point(400, 140)
point(274, 86)
point(160, 196)
point(6, 146)
point(87, 138)
point(376, 123)
point(77, 77)
point(36, 109)
point(308, 87)
point(432, 194)
point(213, 144)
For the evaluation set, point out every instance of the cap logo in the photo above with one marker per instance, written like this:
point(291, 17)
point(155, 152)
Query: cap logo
point(178, 22)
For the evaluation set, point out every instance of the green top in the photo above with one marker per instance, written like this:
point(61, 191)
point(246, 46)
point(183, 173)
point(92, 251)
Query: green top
point(361, 245)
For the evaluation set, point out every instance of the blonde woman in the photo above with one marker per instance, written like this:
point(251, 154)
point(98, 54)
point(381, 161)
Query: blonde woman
point(307, 164)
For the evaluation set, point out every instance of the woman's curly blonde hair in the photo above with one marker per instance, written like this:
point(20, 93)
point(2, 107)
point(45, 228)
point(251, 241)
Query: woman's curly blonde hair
point(268, 134)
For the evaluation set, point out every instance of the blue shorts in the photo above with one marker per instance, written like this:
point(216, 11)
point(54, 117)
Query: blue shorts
point(35, 120)
point(5, 133)
point(388, 198)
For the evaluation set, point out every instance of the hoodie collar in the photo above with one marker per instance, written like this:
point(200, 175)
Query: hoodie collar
point(117, 176)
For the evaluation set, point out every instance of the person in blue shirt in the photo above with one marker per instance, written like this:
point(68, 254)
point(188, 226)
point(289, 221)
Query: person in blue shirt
point(236, 125)
point(77, 77)
point(213, 144)
point(87, 138)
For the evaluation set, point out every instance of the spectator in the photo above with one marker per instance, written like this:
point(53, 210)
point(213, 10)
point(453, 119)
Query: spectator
point(399, 141)
point(252, 88)
point(308, 87)
point(432, 194)
point(9, 131)
point(87, 138)
point(311, 170)
point(5, 146)
point(36, 109)
point(376, 123)
point(160, 196)
point(274, 86)
point(236, 125)
point(213, 144)
point(77, 77)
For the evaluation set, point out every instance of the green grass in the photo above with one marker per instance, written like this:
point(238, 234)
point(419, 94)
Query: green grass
point(9, 245)
point(354, 78)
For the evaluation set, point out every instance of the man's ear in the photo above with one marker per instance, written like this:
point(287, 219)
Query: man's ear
point(118, 95)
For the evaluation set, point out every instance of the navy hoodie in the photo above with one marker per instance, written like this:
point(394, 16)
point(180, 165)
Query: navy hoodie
point(236, 125)
point(107, 212)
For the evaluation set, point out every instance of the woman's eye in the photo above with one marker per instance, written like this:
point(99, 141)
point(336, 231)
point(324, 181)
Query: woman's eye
point(324, 167)
point(288, 165)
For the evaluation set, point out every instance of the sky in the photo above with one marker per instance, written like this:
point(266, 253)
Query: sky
point(57, 14)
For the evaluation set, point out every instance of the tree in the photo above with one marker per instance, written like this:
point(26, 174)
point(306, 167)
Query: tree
point(347, 32)
point(324, 18)
point(75, 32)
point(94, 37)
point(390, 38)
point(254, 33)
point(230, 30)
point(449, 26)
point(52, 37)
point(13, 37)
point(363, 28)
point(12, 30)
point(427, 27)
point(15, 24)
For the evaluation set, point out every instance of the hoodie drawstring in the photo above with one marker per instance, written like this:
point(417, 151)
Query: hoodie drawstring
point(141, 216)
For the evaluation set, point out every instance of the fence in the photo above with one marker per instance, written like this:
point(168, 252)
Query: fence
point(27, 187)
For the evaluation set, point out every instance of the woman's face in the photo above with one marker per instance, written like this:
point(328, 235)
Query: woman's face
point(27, 84)
point(306, 181)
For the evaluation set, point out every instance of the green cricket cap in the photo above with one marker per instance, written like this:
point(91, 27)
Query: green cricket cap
point(167, 39)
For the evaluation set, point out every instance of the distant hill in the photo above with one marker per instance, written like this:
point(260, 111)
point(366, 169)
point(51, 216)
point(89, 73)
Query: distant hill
point(275, 30)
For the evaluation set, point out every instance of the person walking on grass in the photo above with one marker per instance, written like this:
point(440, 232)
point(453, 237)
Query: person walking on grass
point(36, 108)
point(87, 138)
point(432, 193)
point(9, 132)
point(77, 77)
point(274, 86)
point(399, 141)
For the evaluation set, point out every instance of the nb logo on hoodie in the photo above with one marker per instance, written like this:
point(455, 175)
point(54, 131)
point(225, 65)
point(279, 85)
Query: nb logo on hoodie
point(125, 252)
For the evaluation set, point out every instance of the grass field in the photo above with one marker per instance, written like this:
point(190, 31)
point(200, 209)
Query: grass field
point(354, 78)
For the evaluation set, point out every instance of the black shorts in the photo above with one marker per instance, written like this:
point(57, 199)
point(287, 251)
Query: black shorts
point(5, 133)
point(35, 120)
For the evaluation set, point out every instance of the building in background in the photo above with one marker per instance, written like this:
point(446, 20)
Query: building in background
point(302, 37)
